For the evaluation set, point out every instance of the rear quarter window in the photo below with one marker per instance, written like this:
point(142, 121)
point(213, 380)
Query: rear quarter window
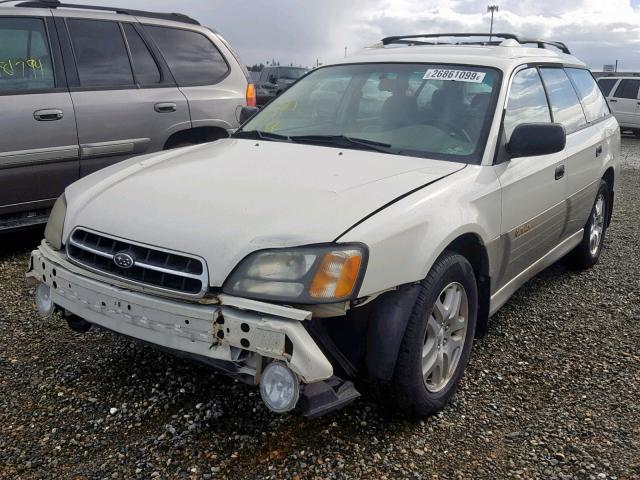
point(191, 56)
point(593, 102)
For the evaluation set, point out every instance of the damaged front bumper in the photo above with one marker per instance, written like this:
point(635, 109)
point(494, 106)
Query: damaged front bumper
point(236, 334)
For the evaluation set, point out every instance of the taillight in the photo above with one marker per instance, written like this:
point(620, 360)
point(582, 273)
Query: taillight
point(251, 95)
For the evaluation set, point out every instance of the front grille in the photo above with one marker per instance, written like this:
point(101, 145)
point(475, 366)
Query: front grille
point(152, 266)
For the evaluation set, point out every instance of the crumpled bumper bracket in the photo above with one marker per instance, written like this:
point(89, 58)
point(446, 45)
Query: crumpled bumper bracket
point(213, 331)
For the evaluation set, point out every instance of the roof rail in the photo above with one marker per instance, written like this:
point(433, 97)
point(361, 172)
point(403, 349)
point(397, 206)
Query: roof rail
point(415, 40)
point(177, 17)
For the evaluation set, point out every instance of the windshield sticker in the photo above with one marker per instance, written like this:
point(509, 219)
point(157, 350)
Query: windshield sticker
point(454, 75)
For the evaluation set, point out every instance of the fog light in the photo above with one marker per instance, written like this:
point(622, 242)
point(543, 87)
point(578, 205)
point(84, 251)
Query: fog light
point(279, 387)
point(43, 300)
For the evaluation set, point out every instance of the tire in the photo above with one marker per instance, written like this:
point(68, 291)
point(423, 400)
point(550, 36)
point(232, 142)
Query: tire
point(414, 393)
point(586, 254)
point(636, 133)
point(77, 324)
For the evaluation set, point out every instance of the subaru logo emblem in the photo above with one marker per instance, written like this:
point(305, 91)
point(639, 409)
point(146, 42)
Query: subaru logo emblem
point(124, 260)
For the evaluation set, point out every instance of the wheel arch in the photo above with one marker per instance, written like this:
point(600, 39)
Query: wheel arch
point(195, 135)
point(389, 314)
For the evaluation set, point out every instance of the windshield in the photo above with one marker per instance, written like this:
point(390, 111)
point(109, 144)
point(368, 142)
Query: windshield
point(435, 111)
point(291, 73)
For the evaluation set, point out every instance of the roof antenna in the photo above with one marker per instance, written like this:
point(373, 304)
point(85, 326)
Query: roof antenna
point(492, 9)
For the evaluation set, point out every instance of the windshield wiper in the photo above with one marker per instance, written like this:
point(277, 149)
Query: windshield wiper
point(345, 141)
point(261, 135)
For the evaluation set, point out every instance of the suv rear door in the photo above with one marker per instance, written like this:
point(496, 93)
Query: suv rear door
point(125, 98)
point(38, 140)
point(625, 102)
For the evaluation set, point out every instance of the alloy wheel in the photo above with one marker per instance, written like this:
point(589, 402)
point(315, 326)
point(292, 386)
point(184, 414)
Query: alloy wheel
point(445, 338)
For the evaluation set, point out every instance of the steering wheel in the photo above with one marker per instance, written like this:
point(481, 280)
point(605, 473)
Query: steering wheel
point(449, 128)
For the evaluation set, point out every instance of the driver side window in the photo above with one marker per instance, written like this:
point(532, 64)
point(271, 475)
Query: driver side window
point(527, 101)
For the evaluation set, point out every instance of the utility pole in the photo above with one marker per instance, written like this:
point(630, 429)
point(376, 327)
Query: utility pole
point(616, 70)
point(345, 52)
point(492, 9)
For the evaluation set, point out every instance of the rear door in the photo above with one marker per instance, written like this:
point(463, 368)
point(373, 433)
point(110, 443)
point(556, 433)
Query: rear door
point(595, 145)
point(625, 102)
point(38, 141)
point(125, 99)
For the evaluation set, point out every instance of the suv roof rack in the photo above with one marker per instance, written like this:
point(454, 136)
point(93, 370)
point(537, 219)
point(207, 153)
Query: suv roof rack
point(177, 17)
point(414, 40)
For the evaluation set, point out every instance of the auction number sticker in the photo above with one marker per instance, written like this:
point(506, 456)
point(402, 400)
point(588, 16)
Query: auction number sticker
point(456, 75)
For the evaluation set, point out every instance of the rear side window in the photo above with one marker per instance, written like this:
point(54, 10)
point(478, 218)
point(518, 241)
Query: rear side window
point(628, 88)
point(25, 59)
point(527, 101)
point(606, 85)
point(594, 104)
point(100, 53)
point(192, 57)
point(146, 69)
point(565, 104)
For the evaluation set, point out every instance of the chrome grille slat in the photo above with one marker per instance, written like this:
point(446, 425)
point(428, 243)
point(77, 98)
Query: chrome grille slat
point(154, 268)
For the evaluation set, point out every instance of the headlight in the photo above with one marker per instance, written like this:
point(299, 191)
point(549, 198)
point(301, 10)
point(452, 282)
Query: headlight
point(303, 275)
point(53, 231)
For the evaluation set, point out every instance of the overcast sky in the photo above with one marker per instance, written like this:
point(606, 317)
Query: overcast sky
point(301, 31)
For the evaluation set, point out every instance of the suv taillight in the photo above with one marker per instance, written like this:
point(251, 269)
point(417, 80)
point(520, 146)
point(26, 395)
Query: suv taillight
point(251, 95)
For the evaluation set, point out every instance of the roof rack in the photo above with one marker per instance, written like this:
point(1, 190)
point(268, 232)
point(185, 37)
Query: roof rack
point(414, 40)
point(177, 17)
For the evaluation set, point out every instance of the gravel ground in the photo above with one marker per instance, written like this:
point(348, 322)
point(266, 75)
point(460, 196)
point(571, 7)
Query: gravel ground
point(551, 392)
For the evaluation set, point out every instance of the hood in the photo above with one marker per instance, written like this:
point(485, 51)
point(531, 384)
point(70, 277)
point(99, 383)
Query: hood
point(226, 199)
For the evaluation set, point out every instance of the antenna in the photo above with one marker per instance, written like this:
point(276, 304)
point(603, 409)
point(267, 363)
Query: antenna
point(492, 9)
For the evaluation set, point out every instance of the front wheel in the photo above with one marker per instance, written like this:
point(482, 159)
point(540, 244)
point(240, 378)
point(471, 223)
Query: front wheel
point(438, 340)
point(587, 253)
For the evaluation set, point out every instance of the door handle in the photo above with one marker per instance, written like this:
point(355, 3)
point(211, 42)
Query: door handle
point(598, 150)
point(165, 107)
point(613, 100)
point(560, 172)
point(48, 115)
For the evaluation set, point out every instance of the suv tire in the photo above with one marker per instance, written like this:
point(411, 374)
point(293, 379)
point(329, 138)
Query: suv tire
point(587, 253)
point(438, 338)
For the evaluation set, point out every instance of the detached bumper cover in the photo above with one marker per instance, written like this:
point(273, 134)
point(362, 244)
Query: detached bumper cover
point(214, 331)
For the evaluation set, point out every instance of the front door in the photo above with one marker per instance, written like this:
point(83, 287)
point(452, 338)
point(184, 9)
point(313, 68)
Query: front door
point(126, 102)
point(38, 141)
point(533, 189)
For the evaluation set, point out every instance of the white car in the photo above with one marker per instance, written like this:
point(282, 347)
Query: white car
point(368, 242)
point(623, 95)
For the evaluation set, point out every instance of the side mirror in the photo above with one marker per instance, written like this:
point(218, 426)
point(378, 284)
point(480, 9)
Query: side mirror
point(273, 79)
point(533, 139)
point(246, 113)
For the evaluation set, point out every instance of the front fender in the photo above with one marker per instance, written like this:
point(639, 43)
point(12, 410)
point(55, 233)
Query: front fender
point(406, 238)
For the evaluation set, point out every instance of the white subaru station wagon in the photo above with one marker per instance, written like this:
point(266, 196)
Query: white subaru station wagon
point(357, 232)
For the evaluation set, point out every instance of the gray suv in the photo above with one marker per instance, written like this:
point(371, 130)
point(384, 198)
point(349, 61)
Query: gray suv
point(83, 87)
point(275, 80)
